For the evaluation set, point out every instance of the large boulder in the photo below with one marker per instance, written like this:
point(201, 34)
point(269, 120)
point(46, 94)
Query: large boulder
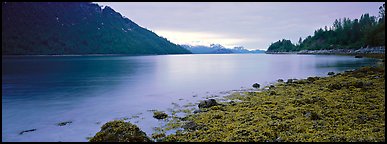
point(207, 103)
point(159, 115)
point(120, 131)
point(256, 85)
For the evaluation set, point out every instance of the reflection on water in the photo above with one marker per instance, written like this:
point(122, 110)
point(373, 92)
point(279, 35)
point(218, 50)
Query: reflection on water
point(38, 92)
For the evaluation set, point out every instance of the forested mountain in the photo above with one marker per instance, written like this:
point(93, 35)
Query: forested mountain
point(368, 31)
point(218, 49)
point(75, 28)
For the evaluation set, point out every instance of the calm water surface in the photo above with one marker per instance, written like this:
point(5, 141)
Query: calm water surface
point(40, 91)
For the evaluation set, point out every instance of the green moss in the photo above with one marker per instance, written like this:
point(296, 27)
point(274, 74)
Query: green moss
point(159, 115)
point(343, 107)
point(120, 131)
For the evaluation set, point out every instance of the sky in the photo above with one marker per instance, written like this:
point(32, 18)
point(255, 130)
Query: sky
point(253, 25)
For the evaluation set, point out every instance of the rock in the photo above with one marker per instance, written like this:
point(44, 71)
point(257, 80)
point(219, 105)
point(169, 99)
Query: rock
point(243, 132)
point(27, 131)
point(331, 73)
point(197, 111)
point(376, 77)
point(358, 84)
point(268, 102)
point(64, 123)
point(256, 85)
point(361, 119)
point(159, 115)
point(218, 107)
point(158, 136)
point(207, 103)
point(358, 56)
point(289, 81)
point(120, 131)
point(190, 126)
point(334, 86)
point(272, 93)
point(368, 84)
point(300, 81)
point(372, 107)
point(278, 139)
point(275, 117)
point(280, 80)
point(312, 79)
point(217, 116)
point(370, 96)
point(312, 115)
point(184, 118)
point(232, 103)
point(375, 129)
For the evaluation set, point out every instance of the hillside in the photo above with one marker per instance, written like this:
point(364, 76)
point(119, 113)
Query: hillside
point(367, 31)
point(38, 28)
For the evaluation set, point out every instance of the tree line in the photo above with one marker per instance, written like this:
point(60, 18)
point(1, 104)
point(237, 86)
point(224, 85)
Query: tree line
point(368, 31)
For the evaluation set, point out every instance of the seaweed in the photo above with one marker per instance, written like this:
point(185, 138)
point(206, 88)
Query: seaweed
point(343, 107)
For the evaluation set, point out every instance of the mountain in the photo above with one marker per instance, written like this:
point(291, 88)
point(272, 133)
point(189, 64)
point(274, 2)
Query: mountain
point(36, 28)
point(257, 51)
point(218, 49)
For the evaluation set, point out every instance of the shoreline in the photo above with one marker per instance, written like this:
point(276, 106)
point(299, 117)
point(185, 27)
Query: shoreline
point(302, 110)
point(361, 51)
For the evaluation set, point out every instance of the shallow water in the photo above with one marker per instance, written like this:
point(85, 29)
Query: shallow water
point(40, 91)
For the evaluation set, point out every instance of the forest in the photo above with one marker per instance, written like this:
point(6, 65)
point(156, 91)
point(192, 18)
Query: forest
point(367, 31)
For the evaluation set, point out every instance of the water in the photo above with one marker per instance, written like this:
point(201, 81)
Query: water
point(40, 91)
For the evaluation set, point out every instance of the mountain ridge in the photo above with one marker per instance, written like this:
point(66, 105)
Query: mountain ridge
point(62, 28)
point(218, 49)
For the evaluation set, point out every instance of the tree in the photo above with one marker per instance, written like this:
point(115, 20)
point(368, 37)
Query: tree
point(382, 12)
point(299, 41)
point(282, 46)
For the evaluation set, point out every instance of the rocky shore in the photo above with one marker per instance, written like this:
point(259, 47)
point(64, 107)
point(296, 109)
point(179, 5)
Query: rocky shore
point(342, 107)
point(372, 50)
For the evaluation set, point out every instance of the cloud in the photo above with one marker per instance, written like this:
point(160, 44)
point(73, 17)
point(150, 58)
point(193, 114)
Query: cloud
point(199, 38)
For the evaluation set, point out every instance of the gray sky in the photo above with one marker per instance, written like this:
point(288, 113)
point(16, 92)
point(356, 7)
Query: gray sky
point(253, 25)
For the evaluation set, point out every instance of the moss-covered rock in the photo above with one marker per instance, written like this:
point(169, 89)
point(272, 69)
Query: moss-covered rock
point(312, 79)
point(64, 123)
point(120, 131)
point(256, 85)
point(159, 115)
point(289, 81)
point(207, 103)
